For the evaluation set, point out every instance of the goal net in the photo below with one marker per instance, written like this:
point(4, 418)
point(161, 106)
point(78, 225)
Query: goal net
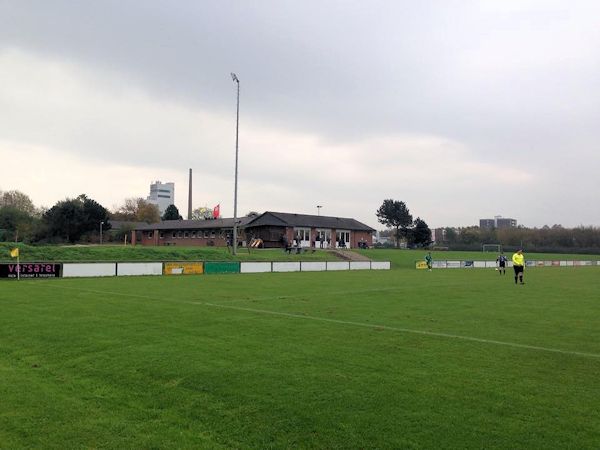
point(492, 248)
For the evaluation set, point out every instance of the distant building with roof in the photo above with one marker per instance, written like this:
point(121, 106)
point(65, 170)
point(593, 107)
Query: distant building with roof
point(273, 228)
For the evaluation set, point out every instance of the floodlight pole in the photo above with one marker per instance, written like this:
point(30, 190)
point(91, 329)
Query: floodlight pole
point(319, 210)
point(237, 127)
point(101, 223)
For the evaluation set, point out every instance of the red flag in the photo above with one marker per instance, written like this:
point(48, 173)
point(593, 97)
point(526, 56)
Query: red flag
point(216, 211)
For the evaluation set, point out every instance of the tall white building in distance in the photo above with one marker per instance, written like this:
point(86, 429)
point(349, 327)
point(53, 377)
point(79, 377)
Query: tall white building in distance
point(162, 195)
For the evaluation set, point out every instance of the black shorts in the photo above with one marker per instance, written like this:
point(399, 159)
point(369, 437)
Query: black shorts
point(518, 269)
point(502, 263)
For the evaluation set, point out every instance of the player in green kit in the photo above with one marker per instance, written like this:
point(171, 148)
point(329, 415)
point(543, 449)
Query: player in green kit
point(429, 261)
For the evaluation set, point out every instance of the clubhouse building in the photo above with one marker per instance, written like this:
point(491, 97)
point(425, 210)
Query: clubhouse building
point(274, 229)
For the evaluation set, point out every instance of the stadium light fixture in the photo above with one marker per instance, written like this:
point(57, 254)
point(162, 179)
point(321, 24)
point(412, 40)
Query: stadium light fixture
point(237, 127)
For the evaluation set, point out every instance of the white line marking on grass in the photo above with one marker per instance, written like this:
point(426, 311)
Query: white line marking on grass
point(345, 322)
point(402, 330)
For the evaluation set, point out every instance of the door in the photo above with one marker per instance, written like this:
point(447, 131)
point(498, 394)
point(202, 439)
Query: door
point(324, 238)
point(342, 239)
point(304, 235)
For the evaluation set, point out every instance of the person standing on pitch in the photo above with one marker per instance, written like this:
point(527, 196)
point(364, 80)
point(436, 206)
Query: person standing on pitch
point(429, 261)
point(501, 260)
point(518, 260)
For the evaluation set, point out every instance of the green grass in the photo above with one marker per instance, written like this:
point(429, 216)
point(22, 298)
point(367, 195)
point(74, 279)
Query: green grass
point(406, 258)
point(305, 360)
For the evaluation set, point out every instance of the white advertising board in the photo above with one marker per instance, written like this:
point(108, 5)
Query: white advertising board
point(491, 264)
point(89, 269)
point(380, 265)
point(126, 269)
point(313, 266)
point(286, 266)
point(360, 265)
point(453, 264)
point(255, 267)
point(338, 265)
point(480, 264)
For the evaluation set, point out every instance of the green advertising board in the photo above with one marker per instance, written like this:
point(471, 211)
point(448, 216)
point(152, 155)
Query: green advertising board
point(222, 267)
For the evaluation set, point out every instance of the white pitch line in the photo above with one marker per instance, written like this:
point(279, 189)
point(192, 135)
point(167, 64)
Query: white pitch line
point(348, 322)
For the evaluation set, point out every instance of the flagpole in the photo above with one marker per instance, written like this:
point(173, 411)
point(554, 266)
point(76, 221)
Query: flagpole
point(19, 266)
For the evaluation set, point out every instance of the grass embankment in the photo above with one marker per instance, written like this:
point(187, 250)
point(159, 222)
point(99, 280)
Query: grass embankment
point(400, 259)
point(72, 253)
point(367, 359)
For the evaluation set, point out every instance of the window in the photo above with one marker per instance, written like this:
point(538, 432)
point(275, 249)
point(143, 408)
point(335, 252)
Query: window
point(206, 234)
point(173, 235)
point(324, 234)
point(186, 234)
point(193, 235)
point(179, 234)
point(304, 233)
point(161, 235)
point(212, 233)
point(150, 234)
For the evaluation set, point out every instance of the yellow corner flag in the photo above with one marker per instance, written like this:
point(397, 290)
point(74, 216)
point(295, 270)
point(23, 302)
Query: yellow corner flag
point(14, 253)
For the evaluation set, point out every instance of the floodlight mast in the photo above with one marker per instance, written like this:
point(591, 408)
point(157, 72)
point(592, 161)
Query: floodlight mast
point(237, 127)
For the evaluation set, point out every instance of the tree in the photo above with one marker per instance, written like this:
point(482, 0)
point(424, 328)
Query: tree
point(202, 213)
point(171, 213)
point(17, 200)
point(70, 219)
point(420, 234)
point(137, 210)
point(393, 213)
point(15, 223)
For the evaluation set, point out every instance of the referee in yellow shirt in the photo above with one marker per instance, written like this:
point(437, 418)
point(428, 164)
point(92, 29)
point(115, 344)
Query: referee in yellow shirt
point(518, 260)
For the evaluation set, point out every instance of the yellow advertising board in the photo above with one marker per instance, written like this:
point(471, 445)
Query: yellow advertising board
point(421, 265)
point(183, 268)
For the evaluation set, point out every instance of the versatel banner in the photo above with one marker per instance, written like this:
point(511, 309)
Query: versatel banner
point(30, 270)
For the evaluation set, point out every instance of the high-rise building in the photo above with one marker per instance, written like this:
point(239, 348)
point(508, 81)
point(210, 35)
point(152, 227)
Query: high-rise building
point(162, 195)
point(502, 222)
point(497, 222)
point(487, 223)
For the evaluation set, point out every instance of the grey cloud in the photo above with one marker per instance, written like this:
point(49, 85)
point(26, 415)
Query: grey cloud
point(516, 83)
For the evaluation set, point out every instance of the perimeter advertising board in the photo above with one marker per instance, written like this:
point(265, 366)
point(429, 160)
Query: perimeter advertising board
point(30, 270)
point(421, 265)
point(183, 268)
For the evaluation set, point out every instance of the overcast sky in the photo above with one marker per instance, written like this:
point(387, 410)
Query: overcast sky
point(461, 109)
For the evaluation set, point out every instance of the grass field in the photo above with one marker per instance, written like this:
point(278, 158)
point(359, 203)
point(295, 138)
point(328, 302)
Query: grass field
point(365, 359)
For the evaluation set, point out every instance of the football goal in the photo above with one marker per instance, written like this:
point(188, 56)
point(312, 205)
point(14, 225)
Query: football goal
point(492, 248)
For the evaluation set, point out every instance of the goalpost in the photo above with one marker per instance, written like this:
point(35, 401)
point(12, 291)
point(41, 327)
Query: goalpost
point(492, 248)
